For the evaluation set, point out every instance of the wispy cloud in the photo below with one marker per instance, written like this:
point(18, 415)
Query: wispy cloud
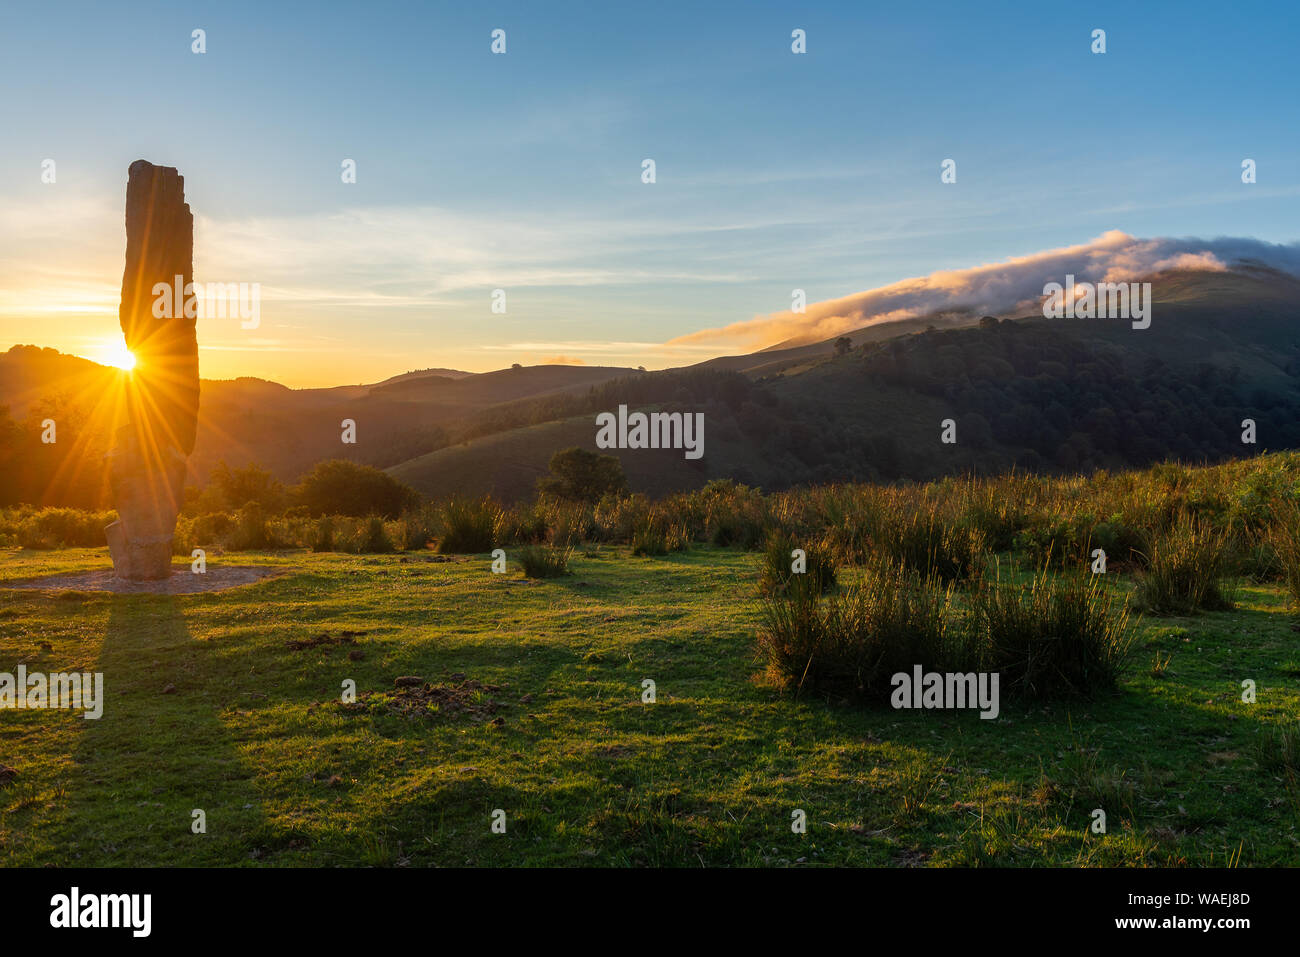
point(996, 287)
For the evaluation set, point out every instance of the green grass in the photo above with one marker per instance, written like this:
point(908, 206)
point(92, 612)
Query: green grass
point(254, 733)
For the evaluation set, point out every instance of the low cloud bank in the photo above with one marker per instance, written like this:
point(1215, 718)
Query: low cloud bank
point(999, 288)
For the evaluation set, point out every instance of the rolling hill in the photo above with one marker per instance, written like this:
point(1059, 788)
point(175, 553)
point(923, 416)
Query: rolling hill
point(1024, 392)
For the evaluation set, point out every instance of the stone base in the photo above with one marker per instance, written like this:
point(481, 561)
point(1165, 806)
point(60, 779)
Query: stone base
point(182, 581)
point(138, 561)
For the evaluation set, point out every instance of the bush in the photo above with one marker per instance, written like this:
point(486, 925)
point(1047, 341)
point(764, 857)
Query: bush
point(1059, 636)
point(1184, 570)
point(545, 561)
point(582, 476)
point(469, 526)
point(339, 487)
point(64, 528)
point(250, 532)
point(249, 484)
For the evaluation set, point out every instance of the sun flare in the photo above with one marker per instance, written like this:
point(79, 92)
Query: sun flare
point(116, 355)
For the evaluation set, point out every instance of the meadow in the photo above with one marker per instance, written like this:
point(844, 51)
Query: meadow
point(522, 692)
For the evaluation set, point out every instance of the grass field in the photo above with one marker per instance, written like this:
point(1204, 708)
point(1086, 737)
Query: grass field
point(210, 706)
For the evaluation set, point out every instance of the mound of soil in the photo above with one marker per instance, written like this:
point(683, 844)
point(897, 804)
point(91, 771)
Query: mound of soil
point(466, 699)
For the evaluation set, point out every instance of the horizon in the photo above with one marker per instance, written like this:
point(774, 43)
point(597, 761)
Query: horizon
point(541, 194)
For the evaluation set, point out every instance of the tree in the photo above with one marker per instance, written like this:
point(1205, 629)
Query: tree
point(843, 346)
point(339, 487)
point(582, 476)
point(252, 483)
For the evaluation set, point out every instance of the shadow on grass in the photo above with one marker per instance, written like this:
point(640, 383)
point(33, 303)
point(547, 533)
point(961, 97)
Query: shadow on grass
point(156, 754)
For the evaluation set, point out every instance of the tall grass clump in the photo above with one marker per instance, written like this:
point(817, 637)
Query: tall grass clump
point(923, 541)
point(545, 561)
point(375, 538)
point(469, 526)
point(322, 535)
point(777, 575)
point(853, 642)
point(657, 534)
point(1285, 542)
point(995, 509)
point(1185, 568)
point(419, 527)
point(1057, 636)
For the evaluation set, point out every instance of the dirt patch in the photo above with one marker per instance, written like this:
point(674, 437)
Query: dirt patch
point(182, 582)
point(468, 699)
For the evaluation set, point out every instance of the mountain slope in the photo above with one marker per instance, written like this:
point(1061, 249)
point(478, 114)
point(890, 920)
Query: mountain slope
point(1030, 392)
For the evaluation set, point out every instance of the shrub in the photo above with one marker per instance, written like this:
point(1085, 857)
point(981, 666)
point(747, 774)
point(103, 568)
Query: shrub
point(1184, 570)
point(469, 526)
point(583, 476)
point(340, 487)
point(64, 528)
point(250, 532)
point(545, 561)
point(1060, 635)
point(249, 484)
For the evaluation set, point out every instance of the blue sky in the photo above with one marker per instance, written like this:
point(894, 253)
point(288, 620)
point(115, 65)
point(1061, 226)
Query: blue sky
point(522, 171)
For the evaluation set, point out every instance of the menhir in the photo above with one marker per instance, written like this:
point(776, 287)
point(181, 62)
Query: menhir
point(147, 464)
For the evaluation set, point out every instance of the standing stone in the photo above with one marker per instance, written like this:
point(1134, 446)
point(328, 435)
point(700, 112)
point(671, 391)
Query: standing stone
point(147, 464)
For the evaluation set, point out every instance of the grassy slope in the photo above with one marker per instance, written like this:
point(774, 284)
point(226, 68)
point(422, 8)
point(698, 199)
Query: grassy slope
point(507, 465)
point(586, 773)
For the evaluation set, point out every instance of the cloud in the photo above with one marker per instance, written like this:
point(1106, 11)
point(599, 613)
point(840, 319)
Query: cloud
point(563, 361)
point(1010, 286)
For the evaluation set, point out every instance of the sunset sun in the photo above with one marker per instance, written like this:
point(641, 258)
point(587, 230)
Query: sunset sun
point(116, 354)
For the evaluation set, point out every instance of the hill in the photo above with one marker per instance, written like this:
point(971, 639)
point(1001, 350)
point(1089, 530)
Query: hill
point(1025, 392)
point(246, 419)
